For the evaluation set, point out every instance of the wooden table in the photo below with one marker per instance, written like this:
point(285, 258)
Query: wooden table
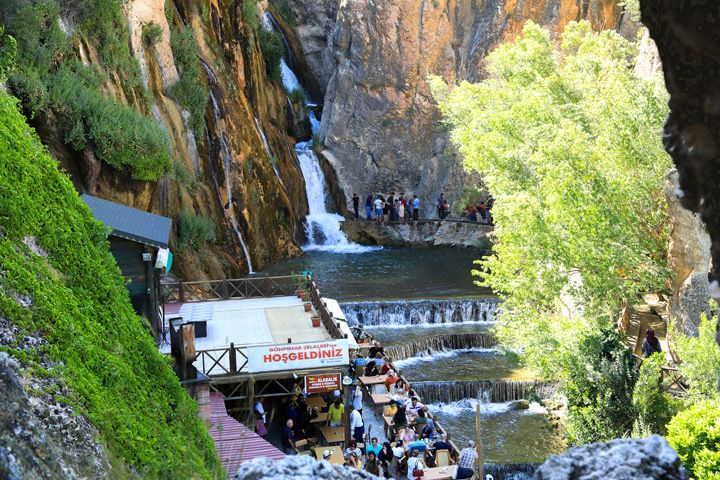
point(439, 473)
point(316, 402)
point(321, 418)
point(376, 380)
point(336, 457)
point(333, 434)
point(380, 399)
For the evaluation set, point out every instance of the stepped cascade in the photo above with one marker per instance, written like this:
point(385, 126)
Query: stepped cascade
point(421, 312)
point(440, 343)
point(486, 391)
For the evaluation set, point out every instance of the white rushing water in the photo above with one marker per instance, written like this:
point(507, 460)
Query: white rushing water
point(434, 356)
point(467, 405)
point(230, 206)
point(322, 226)
point(422, 313)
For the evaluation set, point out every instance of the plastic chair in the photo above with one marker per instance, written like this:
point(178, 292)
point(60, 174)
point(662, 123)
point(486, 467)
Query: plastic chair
point(442, 458)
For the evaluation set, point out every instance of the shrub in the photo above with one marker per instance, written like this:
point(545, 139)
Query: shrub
point(123, 138)
point(297, 95)
point(189, 91)
point(104, 354)
point(249, 13)
point(654, 407)
point(700, 359)
point(601, 377)
point(273, 49)
point(195, 230)
point(285, 11)
point(695, 435)
point(152, 33)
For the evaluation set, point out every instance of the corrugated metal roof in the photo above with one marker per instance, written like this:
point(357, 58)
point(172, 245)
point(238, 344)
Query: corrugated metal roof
point(234, 442)
point(131, 223)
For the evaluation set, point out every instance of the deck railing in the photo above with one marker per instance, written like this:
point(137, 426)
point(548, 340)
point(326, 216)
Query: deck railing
point(236, 288)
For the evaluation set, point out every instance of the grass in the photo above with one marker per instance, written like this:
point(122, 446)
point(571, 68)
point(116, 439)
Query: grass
point(190, 90)
point(151, 33)
point(195, 230)
point(106, 356)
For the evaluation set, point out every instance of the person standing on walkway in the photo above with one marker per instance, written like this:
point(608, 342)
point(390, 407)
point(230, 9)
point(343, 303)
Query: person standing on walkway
point(415, 469)
point(391, 206)
point(356, 205)
point(287, 439)
point(357, 427)
point(335, 413)
point(650, 344)
point(416, 207)
point(357, 397)
point(466, 462)
point(368, 207)
point(260, 409)
point(378, 209)
point(401, 210)
point(440, 204)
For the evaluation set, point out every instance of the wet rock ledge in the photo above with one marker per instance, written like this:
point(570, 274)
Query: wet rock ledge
point(420, 234)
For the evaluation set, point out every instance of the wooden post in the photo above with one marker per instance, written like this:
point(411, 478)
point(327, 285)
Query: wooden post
point(233, 360)
point(182, 292)
point(478, 445)
point(346, 417)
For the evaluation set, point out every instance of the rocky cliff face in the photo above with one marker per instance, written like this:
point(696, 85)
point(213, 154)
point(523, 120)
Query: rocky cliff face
point(238, 169)
point(373, 57)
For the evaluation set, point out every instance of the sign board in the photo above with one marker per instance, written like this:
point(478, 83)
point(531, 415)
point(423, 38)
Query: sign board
point(297, 356)
point(322, 383)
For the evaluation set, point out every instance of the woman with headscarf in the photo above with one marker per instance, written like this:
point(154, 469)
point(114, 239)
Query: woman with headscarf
point(651, 344)
point(371, 369)
point(386, 457)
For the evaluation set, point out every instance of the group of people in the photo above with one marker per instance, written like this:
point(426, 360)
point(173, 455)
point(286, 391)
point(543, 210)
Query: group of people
point(480, 212)
point(392, 208)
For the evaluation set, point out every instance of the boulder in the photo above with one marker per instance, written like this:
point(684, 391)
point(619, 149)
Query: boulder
point(638, 459)
point(298, 468)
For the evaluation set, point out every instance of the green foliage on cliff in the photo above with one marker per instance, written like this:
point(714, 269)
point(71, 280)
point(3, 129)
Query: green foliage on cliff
point(568, 141)
point(701, 359)
point(285, 11)
point(599, 389)
point(44, 52)
point(273, 49)
point(79, 305)
point(695, 435)
point(195, 230)
point(189, 91)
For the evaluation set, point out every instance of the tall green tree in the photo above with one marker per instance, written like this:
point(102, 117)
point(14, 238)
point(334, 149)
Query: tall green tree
point(567, 138)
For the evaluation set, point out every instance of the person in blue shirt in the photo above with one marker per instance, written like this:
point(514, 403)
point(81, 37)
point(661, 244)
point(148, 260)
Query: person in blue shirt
point(418, 445)
point(374, 447)
point(442, 444)
point(416, 207)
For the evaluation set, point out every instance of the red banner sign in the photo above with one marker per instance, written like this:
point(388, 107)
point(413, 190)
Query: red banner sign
point(322, 383)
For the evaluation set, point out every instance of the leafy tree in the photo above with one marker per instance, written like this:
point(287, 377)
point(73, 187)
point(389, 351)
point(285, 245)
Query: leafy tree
point(654, 407)
point(599, 390)
point(273, 49)
point(695, 435)
point(568, 140)
point(700, 359)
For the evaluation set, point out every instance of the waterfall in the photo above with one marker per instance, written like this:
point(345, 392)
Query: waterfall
point(227, 163)
point(440, 343)
point(486, 391)
point(421, 312)
point(268, 151)
point(322, 227)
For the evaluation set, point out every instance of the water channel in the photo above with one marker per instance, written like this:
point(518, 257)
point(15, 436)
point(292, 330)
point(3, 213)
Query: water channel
point(423, 305)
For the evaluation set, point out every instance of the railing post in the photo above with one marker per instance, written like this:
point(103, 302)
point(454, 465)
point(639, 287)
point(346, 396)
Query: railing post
point(267, 285)
point(233, 359)
point(182, 292)
point(224, 290)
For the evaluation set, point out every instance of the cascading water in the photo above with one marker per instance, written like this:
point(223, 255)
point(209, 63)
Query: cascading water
point(268, 151)
point(421, 312)
point(227, 164)
point(322, 227)
point(440, 343)
point(485, 391)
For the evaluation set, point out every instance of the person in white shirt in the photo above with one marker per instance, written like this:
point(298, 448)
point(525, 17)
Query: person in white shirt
point(414, 406)
point(414, 463)
point(378, 209)
point(260, 409)
point(357, 397)
point(357, 427)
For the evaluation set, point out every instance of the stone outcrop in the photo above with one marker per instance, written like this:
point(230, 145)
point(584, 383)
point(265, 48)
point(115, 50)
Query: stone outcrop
point(298, 468)
point(689, 259)
point(244, 154)
point(644, 459)
point(373, 57)
point(419, 234)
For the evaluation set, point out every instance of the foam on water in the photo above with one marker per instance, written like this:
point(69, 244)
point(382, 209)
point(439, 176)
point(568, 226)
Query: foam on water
point(467, 406)
point(433, 356)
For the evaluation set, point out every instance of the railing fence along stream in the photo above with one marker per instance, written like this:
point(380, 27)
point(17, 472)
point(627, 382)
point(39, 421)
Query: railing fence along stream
point(233, 359)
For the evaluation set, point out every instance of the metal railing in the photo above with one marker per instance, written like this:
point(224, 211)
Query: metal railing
point(237, 288)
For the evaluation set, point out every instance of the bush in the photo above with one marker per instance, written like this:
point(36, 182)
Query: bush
point(601, 378)
point(195, 230)
point(104, 354)
point(297, 95)
point(152, 33)
point(249, 13)
point(273, 49)
point(700, 359)
point(285, 11)
point(695, 435)
point(123, 138)
point(189, 91)
point(654, 407)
